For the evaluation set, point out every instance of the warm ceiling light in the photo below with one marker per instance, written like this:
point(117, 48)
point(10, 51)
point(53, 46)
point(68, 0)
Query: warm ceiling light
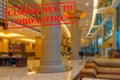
point(67, 15)
point(73, 14)
point(70, 14)
point(87, 4)
point(83, 14)
point(28, 40)
point(83, 28)
point(10, 35)
point(2, 34)
point(13, 35)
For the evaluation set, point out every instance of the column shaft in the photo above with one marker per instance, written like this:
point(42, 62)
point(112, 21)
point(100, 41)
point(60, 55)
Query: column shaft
point(75, 41)
point(51, 58)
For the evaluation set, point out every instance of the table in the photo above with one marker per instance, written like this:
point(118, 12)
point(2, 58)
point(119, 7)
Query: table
point(19, 61)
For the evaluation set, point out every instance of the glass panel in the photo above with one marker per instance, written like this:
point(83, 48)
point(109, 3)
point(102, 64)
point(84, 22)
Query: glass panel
point(118, 28)
point(99, 40)
point(118, 39)
point(108, 29)
point(92, 46)
point(85, 49)
point(98, 19)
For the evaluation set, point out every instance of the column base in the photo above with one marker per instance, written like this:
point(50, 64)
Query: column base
point(51, 69)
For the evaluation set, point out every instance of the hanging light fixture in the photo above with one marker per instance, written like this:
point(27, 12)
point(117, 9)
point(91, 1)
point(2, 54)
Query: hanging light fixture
point(75, 14)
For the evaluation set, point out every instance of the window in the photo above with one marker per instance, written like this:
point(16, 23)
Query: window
point(92, 46)
point(108, 29)
point(2, 9)
point(98, 19)
point(99, 40)
point(93, 30)
point(118, 28)
point(85, 49)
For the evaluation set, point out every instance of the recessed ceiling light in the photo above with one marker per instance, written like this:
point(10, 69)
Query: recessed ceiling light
point(87, 20)
point(87, 4)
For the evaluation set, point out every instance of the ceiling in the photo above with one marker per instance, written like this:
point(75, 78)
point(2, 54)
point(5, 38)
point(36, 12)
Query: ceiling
point(85, 5)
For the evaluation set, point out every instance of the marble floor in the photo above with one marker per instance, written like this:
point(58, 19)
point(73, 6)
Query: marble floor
point(14, 73)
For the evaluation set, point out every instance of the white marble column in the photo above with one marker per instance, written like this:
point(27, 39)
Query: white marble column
point(75, 41)
point(51, 58)
point(80, 41)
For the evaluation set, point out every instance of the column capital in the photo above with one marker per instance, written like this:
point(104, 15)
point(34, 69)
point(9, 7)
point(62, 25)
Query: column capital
point(78, 14)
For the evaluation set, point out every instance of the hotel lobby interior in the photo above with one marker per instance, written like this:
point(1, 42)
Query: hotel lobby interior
point(59, 39)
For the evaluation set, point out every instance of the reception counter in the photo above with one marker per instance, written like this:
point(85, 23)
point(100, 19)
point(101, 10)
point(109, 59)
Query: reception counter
point(19, 61)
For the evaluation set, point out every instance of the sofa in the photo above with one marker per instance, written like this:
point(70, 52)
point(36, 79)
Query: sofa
point(104, 68)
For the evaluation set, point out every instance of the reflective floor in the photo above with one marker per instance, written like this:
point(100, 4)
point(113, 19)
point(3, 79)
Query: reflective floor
point(14, 73)
point(93, 79)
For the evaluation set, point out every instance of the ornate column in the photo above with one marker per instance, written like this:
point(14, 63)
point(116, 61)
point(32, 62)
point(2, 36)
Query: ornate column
point(112, 12)
point(28, 47)
point(38, 47)
point(51, 58)
point(75, 34)
point(1, 45)
point(5, 45)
